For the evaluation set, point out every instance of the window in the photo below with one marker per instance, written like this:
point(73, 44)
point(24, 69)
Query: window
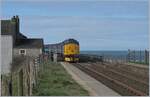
point(22, 52)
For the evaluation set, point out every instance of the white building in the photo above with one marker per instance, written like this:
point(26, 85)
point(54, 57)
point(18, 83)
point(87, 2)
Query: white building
point(13, 43)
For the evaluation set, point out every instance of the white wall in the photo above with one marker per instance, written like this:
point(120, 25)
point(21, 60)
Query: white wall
point(6, 53)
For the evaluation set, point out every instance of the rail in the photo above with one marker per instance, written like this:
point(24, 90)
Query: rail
point(97, 75)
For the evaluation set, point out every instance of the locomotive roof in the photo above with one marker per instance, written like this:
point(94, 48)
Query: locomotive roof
point(70, 41)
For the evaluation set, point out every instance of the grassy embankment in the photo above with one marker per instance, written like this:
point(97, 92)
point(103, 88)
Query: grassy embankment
point(55, 81)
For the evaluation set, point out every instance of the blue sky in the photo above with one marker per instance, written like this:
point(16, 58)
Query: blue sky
point(96, 24)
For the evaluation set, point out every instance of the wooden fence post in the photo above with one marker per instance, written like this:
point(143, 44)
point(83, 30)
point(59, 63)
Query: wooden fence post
point(21, 83)
point(10, 85)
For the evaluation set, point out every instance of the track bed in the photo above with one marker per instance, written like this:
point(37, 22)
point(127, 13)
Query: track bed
point(125, 82)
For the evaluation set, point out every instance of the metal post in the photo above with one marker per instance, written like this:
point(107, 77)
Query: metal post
point(140, 56)
point(146, 57)
point(134, 56)
point(128, 56)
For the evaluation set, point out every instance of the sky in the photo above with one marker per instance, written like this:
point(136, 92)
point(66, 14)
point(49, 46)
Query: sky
point(96, 24)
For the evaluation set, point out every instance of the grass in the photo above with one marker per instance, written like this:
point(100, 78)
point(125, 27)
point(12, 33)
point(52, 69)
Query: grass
point(55, 81)
point(5, 78)
point(15, 86)
point(143, 63)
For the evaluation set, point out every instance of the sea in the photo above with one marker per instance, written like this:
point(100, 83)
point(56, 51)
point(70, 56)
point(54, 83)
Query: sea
point(137, 55)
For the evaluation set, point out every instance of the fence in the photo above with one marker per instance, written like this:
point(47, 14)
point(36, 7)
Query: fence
point(141, 57)
point(132, 56)
point(22, 78)
point(115, 59)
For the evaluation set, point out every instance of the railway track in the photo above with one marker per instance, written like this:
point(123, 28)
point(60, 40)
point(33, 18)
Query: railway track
point(116, 68)
point(133, 82)
point(114, 80)
point(123, 68)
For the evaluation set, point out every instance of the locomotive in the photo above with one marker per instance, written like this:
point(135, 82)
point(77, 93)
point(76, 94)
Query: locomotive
point(71, 50)
point(68, 50)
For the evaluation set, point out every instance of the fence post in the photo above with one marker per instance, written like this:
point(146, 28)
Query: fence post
point(134, 56)
point(21, 83)
point(129, 55)
point(140, 56)
point(10, 85)
point(146, 56)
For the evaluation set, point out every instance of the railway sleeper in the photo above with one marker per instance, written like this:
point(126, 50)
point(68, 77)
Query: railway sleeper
point(125, 80)
point(127, 88)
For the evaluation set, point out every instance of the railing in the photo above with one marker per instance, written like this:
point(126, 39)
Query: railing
point(138, 57)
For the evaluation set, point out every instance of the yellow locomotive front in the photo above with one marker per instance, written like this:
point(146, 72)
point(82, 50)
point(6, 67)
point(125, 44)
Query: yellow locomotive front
point(71, 50)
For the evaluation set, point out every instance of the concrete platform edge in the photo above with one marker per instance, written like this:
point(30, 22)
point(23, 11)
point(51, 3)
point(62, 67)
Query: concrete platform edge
point(85, 84)
point(79, 81)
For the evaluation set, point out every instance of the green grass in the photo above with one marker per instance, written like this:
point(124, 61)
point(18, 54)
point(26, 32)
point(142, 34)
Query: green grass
point(15, 84)
point(143, 63)
point(5, 78)
point(55, 81)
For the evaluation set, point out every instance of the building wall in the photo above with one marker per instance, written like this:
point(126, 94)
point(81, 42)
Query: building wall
point(33, 52)
point(6, 53)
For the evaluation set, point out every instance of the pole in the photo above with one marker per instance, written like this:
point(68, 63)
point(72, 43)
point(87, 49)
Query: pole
point(128, 56)
point(134, 56)
point(140, 57)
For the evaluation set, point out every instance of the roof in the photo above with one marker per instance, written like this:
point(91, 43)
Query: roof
point(21, 36)
point(70, 41)
point(53, 45)
point(7, 27)
point(30, 43)
point(61, 43)
point(11, 27)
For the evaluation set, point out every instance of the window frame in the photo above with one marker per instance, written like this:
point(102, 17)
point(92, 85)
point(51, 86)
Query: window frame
point(22, 53)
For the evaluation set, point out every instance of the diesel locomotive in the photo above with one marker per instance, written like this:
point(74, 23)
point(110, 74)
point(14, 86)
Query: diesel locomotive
point(71, 50)
point(68, 50)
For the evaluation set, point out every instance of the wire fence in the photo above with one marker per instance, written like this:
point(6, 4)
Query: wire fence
point(141, 57)
point(132, 56)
